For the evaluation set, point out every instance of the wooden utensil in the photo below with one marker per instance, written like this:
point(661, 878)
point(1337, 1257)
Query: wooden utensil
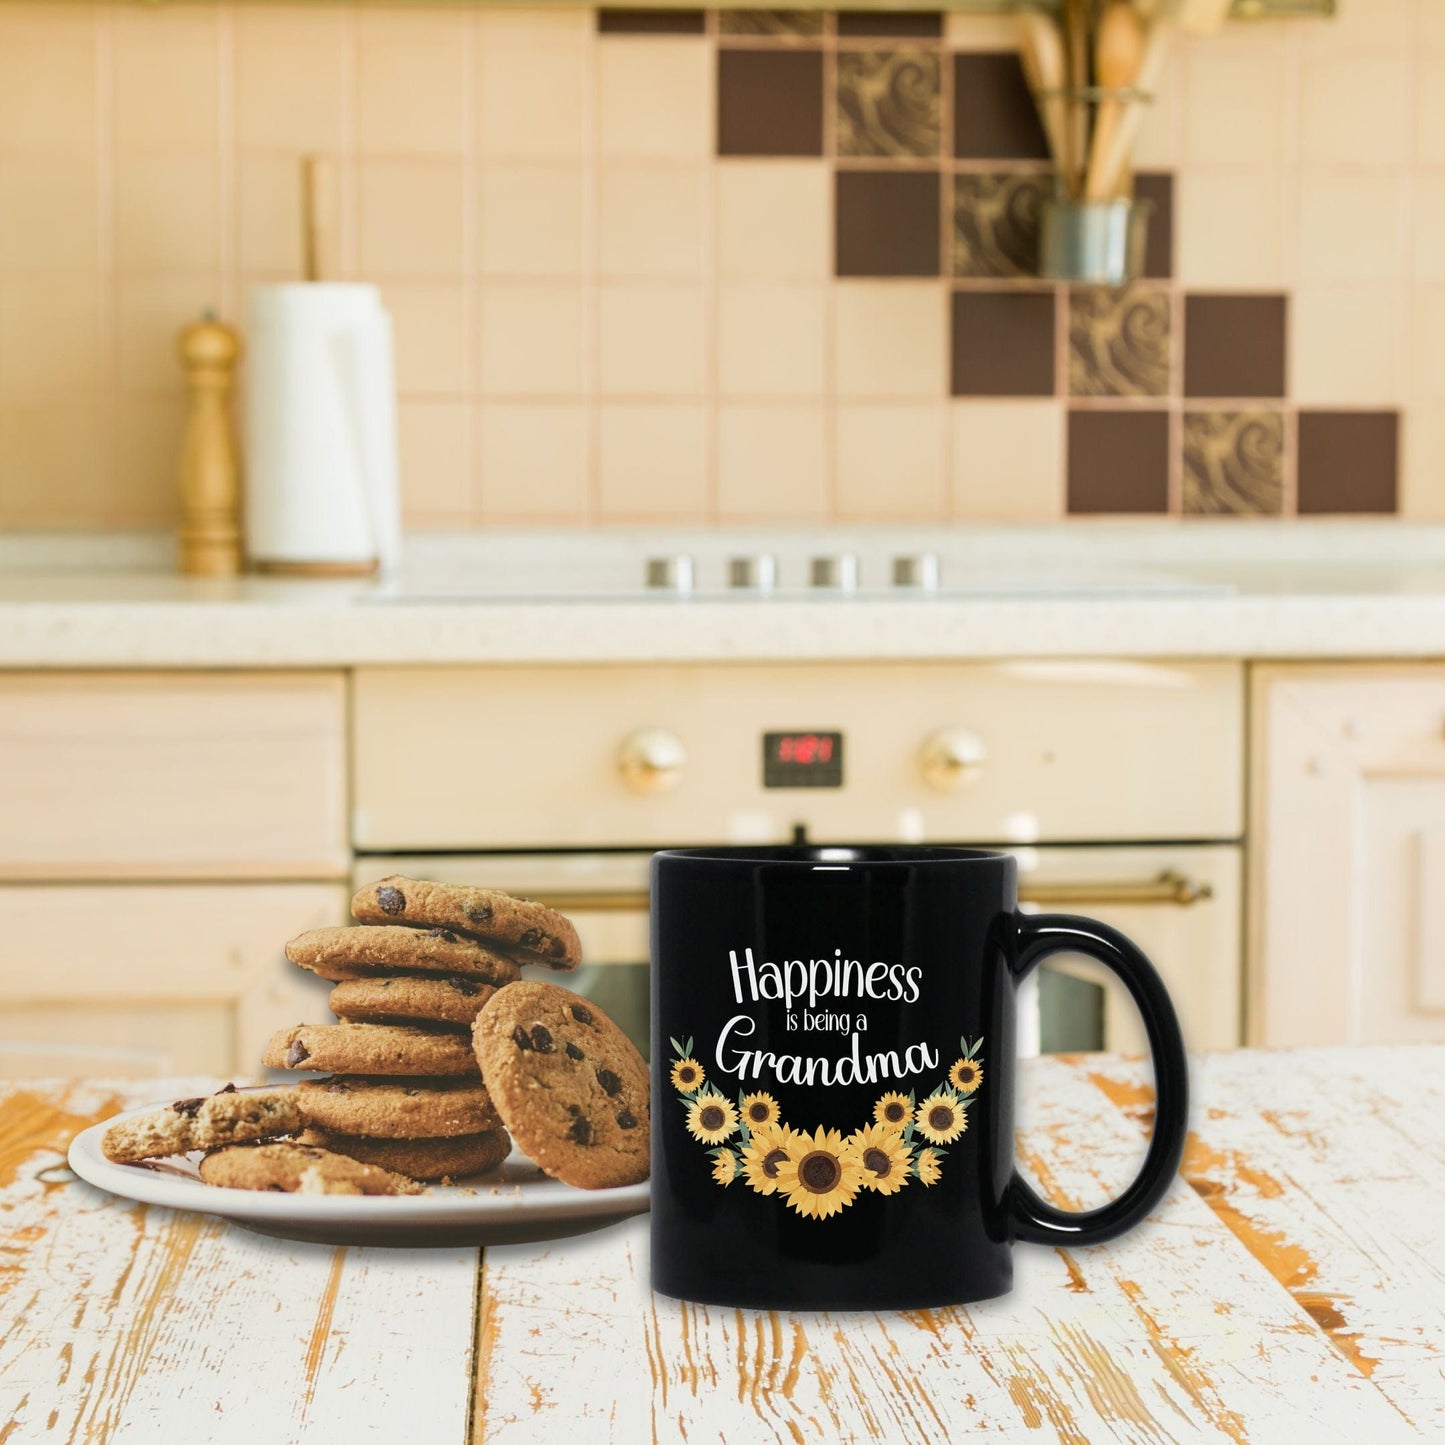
point(1114, 162)
point(1076, 112)
point(1041, 52)
point(1118, 55)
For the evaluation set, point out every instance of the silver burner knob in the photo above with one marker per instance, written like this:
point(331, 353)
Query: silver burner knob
point(753, 574)
point(916, 569)
point(839, 572)
point(670, 574)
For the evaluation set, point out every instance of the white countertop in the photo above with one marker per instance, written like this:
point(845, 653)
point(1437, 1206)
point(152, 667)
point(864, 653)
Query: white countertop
point(1227, 590)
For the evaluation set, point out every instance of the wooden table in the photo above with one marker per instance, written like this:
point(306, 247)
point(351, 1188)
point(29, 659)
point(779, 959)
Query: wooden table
point(1291, 1288)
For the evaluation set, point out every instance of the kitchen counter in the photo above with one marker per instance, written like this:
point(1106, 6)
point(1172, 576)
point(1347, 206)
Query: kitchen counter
point(1327, 590)
point(1288, 1288)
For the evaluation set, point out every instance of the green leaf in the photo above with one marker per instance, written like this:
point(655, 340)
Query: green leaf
point(677, 1048)
point(977, 1045)
point(689, 1044)
point(744, 1133)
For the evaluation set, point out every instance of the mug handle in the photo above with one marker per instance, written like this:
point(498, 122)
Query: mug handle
point(1035, 1220)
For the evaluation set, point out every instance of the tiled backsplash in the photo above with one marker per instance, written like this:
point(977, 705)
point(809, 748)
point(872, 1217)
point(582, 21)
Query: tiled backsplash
point(747, 266)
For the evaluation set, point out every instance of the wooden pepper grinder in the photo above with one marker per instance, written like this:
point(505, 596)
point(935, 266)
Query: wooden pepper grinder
point(210, 526)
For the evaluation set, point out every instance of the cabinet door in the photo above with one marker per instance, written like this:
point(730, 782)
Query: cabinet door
point(1347, 895)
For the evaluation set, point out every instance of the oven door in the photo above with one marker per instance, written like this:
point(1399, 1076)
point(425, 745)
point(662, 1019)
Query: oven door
point(1180, 903)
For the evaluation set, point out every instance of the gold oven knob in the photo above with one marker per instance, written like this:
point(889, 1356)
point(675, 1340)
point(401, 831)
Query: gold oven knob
point(952, 758)
point(651, 760)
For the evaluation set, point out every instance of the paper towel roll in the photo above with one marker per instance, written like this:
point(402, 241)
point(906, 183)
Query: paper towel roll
point(321, 467)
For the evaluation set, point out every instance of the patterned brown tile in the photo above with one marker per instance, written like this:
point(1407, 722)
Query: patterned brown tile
point(1118, 461)
point(1003, 343)
point(1157, 187)
point(927, 24)
point(1233, 463)
point(770, 103)
point(1348, 461)
point(1234, 345)
point(996, 224)
point(770, 22)
point(650, 22)
point(887, 223)
point(993, 113)
point(1119, 341)
point(889, 103)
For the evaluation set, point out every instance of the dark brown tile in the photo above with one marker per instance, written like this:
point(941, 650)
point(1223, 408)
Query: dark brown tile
point(1234, 346)
point(770, 103)
point(1233, 463)
point(1348, 461)
point(1119, 341)
point(996, 224)
point(889, 103)
point(887, 223)
point(993, 113)
point(1157, 187)
point(1003, 343)
point(781, 23)
point(888, 23)
point(1118, 461)
point(650, 22)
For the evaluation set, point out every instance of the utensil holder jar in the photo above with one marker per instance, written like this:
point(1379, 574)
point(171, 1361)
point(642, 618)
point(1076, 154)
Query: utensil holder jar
point(1096, 243)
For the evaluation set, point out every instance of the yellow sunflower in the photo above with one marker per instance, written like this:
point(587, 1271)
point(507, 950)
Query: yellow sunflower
point(928, 1170)
point(769, 1146)
point(687, 1075)
point(711, 1118)
point(966, 1075)
point(893, 1110)
point(724, 1167)
point(823, 1177)
point(941, 1118)
point(759, 1110)
point(884, 1157)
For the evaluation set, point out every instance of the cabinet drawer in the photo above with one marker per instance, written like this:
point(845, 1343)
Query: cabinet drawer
point(180, 776)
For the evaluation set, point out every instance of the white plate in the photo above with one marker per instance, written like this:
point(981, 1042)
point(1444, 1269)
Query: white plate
point(511, 1205)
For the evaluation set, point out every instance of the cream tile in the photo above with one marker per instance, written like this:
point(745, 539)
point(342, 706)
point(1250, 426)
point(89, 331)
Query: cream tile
point(150, 313)
point(533, 25)
point(532, 220)
point(290, 68)
point(52, 335)
point(49, 214)
point(411, 218)
point(966, 31)
point(890, 462)
point(1427, 325)
point(652, 463)
point(654, 97)
point(650, 220)
point(412, 80)
point(1229, 228)
point(167, 213)
point(1428, 246)
point(533, 339)
point(147, 442)
point(432, 336)
point(1159, 146)
point(434, 446)
point(1234, 108)
point(1347, 346)
point(268, 213)
point(1430, 110)
point(772, 464)
point(1422, 463)
point(890, 339)
point(651, 340)
point(1355, 110)
point(1008, 460)
point(1352, 227)
point(52, 463)
point(774, 219)
point(772, 338)
point(165, 75)
point(536, 462)
point(48, 83)
point(532, 101)
point(1359, 25)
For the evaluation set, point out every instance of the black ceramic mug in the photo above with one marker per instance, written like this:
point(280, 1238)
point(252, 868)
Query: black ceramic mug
point(833, 1076)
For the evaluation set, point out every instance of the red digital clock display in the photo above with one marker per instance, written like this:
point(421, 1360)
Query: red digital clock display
point(810, 759)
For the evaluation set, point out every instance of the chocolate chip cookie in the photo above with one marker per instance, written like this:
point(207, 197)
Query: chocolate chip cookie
point(362, 952)
point(533, 931)
point(233, 1116)
point(567, 1082)
point(453, 1002)
point(453, 1158)
point(397, 1108)
point(349, 1048)
point(299, 1168)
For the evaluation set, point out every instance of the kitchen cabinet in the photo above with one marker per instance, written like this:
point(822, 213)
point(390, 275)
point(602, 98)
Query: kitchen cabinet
point(1347, 886)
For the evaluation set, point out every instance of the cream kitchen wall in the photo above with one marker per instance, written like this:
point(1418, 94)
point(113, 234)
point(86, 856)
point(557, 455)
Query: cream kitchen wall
point(600, 319)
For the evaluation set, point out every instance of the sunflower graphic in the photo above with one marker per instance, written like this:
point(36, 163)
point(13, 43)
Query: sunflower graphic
point(711, 1118)
point(724, 1167)
point(687, 1076)
point(928, 1170)
point(884, 1156)
point(941, 1117)
point(760, 1110)
point(892, 1110)
point(768, 1147)
point(824, 1177)
point(966, 1075)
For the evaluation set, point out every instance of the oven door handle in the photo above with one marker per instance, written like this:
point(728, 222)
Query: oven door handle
point(1169, 887)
